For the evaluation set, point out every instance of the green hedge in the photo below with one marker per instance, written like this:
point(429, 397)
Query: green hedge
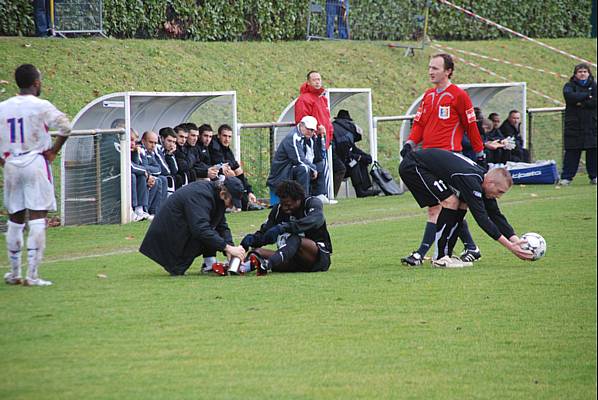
point(229, 20)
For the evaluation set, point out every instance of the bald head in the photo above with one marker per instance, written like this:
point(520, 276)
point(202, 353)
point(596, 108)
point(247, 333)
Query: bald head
point(497, 182)
point(150, 140)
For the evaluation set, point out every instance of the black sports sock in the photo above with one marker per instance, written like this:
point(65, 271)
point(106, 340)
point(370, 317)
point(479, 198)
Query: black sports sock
point(465, 236)
point(446, 227)
point(459, 228)
point(428, 239)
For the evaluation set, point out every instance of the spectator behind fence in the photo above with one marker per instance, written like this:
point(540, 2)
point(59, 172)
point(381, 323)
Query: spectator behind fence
point(312, 101)
point(291, 160)
point(222, 156)
point(511, 128)
point(337, 10)
point(580, 123)
point(41, 15)
point(139, 181)
point(351, 159)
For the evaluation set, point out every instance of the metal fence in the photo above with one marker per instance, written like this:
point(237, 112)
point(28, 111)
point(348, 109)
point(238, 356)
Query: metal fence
point(545, 133)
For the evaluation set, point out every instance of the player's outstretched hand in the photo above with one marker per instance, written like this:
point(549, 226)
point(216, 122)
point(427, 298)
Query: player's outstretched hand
point(516, 249)
point(248, 241)
point(407, 148)
point(272, 234)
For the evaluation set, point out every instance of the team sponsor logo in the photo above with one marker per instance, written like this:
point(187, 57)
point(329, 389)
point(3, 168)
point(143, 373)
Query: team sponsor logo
point(477, 194)
point(444, 112)
point(519, 175)
point(470, 115)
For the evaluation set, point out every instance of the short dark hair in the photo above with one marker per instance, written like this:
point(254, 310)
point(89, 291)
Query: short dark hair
point(311, 72)
point(205, 127)
point(26, 75)
point(492, 115)
point(191, 126)
point(513, 112)
point(166, 131)
point(290, 190)
point(224, 127)
point(181, 127)
point(448, 62)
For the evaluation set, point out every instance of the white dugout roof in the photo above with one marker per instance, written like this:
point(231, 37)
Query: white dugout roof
point(88, 192)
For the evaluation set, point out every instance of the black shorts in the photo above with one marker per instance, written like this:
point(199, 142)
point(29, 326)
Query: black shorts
point(298, 264)
point(427, 190)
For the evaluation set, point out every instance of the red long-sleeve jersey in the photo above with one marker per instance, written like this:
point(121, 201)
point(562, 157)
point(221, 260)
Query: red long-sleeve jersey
point(442, 118)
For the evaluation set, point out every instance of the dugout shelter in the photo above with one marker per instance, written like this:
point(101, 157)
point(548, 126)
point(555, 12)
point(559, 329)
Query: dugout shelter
point(93, 190)
point(359, 104)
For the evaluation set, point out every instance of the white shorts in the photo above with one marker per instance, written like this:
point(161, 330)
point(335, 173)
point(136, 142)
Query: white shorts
point(28, 184)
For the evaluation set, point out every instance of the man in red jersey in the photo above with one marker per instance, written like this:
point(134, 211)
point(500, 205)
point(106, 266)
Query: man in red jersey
point(444, 115)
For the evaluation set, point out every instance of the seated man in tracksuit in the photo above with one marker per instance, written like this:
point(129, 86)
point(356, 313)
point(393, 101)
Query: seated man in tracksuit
point(296, 158)
point(298, 226)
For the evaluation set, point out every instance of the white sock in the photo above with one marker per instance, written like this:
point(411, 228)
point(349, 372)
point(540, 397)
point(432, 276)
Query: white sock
point(208, 261)
point(14, 244)
point(245, 267)
point(36, 244)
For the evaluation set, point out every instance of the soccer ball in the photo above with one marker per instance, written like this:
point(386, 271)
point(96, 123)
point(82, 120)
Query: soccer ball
point(535, 243)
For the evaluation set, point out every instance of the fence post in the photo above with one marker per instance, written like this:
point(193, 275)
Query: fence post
point(272, 140)
point(530, 130)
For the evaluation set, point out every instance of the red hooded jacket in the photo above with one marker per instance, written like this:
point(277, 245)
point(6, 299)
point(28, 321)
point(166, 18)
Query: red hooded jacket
point(313, 102)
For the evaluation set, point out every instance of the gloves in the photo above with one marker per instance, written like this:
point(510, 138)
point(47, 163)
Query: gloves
point(248, 241)
point(272, 234)
point(482, 162)
point(407, 148)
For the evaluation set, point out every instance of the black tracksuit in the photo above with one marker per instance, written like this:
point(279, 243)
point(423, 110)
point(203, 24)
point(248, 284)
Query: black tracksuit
point(190, 223)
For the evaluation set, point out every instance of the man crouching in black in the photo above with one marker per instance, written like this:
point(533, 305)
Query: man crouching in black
point(192, 223)
point(298, 227)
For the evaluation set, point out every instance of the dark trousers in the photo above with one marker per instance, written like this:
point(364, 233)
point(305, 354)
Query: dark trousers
point(42, 17)
point(571, 163)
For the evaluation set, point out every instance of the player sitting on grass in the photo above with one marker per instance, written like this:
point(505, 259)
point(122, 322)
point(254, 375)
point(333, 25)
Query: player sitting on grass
point(457, 183)
point(298, 226)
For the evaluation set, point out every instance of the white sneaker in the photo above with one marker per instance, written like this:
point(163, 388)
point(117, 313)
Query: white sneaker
point(11, 279)
point(450, 262)
point(136, 217)
point(36, 282)
point(564, 182)
point(150, 217)
point(323, 198)
point(332, 201)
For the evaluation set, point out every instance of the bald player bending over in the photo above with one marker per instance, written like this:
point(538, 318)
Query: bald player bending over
point(455, 182)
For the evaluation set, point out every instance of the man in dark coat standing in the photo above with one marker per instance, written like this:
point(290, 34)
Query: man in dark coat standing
point(192, 222)
point(580, 123)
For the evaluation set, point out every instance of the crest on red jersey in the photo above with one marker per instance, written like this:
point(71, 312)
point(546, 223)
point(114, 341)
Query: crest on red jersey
point(444, 112)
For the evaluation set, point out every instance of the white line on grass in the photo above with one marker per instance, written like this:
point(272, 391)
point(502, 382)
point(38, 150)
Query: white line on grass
point(130, 250)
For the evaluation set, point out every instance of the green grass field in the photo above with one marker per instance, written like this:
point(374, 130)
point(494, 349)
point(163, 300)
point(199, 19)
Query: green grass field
point(367, 329)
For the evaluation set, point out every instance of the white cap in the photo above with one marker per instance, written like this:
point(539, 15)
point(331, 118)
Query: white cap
point(310, 122)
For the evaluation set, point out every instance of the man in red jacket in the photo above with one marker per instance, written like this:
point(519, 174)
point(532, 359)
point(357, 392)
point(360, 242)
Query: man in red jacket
point(444, 115)
point(313, 101)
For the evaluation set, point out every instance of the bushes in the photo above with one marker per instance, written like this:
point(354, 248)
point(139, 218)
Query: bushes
point(229, 20)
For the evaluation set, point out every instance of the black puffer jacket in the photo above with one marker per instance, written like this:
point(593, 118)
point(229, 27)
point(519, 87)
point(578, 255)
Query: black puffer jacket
point(580, 114)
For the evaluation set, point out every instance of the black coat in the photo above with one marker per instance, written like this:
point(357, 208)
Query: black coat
point(580, 114)
point(191, 222)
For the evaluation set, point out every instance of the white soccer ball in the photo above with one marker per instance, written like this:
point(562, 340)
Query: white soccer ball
point(535, 243)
